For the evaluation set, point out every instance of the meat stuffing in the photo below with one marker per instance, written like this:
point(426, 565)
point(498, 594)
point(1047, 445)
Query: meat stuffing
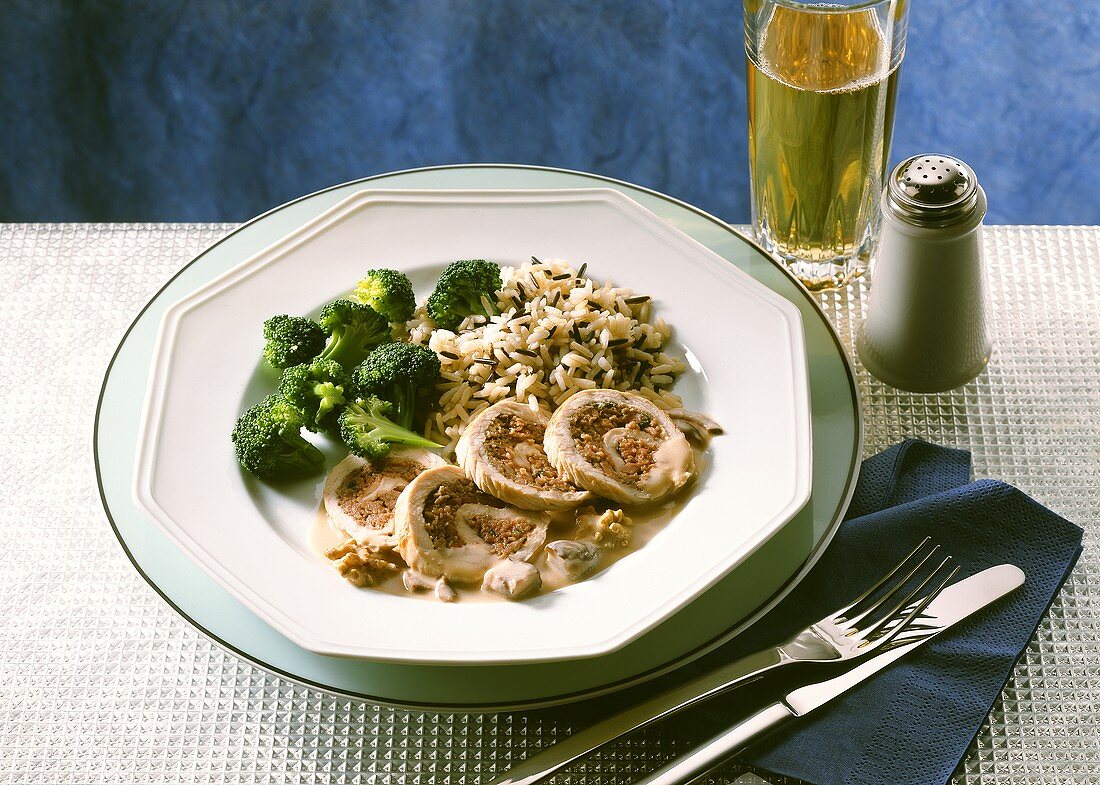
point(502, 451)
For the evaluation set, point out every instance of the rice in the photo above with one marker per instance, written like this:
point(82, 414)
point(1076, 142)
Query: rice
point(558, 332)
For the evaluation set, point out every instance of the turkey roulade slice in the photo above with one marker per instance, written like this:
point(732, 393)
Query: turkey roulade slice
point(502, 451)
point(620, 446)
point(359, 496)
point(448, 528)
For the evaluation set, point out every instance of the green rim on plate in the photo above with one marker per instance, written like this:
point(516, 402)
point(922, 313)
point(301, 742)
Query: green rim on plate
point(710, 620)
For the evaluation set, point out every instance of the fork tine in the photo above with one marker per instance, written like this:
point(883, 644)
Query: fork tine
point(907, 632)
point(915, 626)
point(904, 612)
point(841, 614)
point(908, 640)
point(856, 620)
point(873, 633)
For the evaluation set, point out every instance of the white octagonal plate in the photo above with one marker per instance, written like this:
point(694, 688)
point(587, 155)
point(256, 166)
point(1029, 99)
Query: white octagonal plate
point(747, 369)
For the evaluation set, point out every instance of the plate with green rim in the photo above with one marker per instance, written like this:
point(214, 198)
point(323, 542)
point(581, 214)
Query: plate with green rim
point(712, 618)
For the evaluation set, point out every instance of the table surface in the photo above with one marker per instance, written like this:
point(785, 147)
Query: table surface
point(100, 681)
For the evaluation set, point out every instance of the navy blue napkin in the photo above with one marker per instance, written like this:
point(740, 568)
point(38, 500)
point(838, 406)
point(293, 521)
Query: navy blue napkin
point(913, 722)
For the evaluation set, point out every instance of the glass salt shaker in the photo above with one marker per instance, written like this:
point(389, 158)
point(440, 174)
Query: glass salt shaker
point(925, 328)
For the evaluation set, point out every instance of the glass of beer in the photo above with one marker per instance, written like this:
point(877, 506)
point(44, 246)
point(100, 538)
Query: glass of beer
point(822, 81)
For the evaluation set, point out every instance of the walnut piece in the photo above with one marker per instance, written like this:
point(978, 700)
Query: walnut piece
point(608, 529)
point(358, 564)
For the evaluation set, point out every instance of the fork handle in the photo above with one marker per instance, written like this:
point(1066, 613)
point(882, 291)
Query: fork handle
point(584, 742)
point(713, 753)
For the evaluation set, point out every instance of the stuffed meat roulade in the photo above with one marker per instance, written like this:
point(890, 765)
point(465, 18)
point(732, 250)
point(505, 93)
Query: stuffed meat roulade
point(502, 451)
point(620, 446)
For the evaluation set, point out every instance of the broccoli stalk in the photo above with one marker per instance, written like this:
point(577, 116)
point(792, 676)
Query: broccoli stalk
point(389, 292)
point(400, 373)
point(368, 431)
point(268, 441)
point(290, 340)
point(465, 288)
point(319, 390)
point(353, 330)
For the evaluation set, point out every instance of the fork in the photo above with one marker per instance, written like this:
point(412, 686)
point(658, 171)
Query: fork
point(880, 617)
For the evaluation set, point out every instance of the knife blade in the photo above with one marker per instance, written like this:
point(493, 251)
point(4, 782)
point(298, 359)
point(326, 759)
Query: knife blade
point(954, 604)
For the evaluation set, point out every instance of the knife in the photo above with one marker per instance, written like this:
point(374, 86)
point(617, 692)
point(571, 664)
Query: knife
point(954, 604)
point(542, 765)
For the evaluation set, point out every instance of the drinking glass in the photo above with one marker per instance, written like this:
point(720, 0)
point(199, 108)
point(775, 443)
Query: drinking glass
point(822, 82)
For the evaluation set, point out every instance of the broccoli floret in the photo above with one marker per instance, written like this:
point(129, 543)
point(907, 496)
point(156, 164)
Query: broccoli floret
point(291, 340)
point(464, 289)
point(368, 431)
point(401, 373)
point(268, 441)
point(353, 330)
point(389, 292)
point(319, 390)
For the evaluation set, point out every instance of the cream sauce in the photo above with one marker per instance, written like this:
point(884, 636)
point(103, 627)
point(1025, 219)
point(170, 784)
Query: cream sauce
point(323, 536)
point(645, 523)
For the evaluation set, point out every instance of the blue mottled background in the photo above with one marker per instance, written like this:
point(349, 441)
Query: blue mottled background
point(217, 110)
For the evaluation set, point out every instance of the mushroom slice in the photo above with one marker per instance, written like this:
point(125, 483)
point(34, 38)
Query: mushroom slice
point(502, 451)
point(512, 579)
point(448, 528)
point(696, 426)
point(573, 559)
point(620, 446)
point(359, 496)
point(414, 581)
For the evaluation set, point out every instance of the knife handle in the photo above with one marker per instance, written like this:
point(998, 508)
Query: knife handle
point(542, 765)
point(717, 750)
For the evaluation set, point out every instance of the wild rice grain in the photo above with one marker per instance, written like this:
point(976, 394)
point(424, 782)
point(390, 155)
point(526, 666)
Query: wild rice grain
point(521, 354)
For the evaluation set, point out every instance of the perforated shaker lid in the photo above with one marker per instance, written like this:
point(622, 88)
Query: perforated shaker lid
point(932, 190)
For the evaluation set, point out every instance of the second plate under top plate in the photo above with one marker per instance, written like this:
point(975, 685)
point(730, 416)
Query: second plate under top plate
point(716, 615)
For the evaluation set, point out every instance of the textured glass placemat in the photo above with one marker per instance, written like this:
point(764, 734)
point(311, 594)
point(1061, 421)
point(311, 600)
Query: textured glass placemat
point(100, 681)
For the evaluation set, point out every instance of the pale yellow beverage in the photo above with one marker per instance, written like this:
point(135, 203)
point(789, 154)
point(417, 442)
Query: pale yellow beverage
point(821, 91)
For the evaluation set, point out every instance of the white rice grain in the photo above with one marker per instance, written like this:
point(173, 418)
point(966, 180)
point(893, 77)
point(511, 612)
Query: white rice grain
point(570, 326)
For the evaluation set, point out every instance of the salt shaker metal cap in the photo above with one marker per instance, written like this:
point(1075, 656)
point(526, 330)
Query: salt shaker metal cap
point(925, 328)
